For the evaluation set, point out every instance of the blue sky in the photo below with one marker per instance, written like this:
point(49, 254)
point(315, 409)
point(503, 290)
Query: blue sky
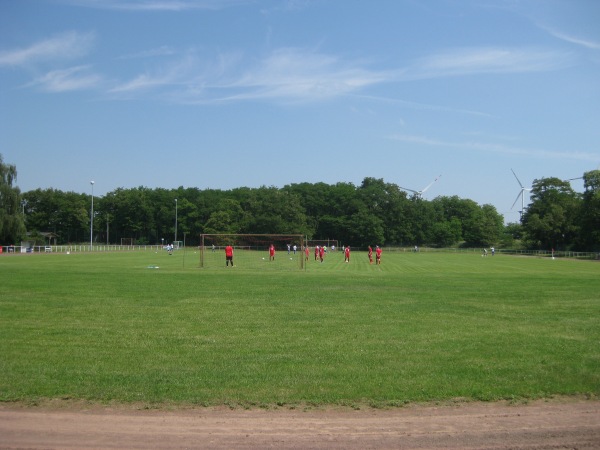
point(229, 93)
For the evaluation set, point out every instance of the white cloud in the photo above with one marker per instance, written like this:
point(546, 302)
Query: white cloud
point(174, 74)
point(163, 50)
point(72, 79)
point(573, 39)
point(299, 75)
point(156, 5)
point(62, 47)
point(495, 148)
point(290, 73)
point(469, 61)
point(285, 75)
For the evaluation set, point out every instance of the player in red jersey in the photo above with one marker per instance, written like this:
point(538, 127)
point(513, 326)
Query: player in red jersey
point(272, 253)
point(378, 255)
point(370, 255)
point(229, 255)
point(347, 254)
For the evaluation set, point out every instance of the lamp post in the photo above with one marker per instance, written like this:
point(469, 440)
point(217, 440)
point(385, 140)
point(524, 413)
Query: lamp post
point(23, 209)
point(92, 218)
point(175, 222)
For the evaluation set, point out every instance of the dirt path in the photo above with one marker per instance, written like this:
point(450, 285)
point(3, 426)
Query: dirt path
point(572, 424)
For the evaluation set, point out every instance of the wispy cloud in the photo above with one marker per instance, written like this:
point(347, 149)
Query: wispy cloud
point(295, 74)
point(283, 75)
point(487, 60)
point(178, 73)
point(156, 5)
point(71, 79)
point(423, 106)
point(593, 45)
point(495, 148)
point(305, 75)
point(65, 46)
point(163, 50)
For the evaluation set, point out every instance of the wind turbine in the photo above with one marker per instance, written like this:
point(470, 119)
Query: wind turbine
point(420, 193)
point(522, 194)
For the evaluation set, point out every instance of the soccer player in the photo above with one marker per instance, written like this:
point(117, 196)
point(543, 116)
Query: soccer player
point(347, 254)
point(228, 255)
point(272, 253)
point(321, 253)
point(370, 255)
point(378, 255)
point(316, 252)
point(307, 252)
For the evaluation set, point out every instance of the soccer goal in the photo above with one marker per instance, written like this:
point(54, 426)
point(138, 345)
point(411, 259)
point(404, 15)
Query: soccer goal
point(265, 251)
point(127, 242)
point(331, 244)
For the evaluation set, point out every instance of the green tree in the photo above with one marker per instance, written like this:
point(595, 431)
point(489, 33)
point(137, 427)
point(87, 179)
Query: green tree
point(12, 227)
point(590, 213)
point(365, 229)
point(512, 234)
point(550, 221)
point(445, 233)
point(132, 214)
point(421, 218)
point(227, 219)
point(66, 214)
point(270, 210)
point(484, 227)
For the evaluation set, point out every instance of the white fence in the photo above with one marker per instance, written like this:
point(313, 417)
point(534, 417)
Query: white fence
point(129, 248)
point(503, 251)
point(78, 248)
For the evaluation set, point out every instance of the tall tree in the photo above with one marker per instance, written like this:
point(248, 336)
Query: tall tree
point(590, 213)
point(270, 210)
point(67, 214)
point(550, 221)
point(12, 226)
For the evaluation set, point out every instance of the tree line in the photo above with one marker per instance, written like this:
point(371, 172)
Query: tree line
point(372, 213)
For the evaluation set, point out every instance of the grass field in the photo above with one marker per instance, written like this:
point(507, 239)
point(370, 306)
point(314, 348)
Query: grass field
point(420, 327)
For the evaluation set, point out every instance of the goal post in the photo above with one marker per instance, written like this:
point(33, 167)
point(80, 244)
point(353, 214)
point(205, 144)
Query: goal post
point(331, 244)
point(253, 250)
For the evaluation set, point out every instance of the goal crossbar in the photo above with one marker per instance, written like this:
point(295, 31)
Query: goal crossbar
point(253, 249)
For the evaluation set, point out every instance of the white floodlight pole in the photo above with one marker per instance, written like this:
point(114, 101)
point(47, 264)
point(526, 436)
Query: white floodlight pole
point(175, 221)
point(92, 218)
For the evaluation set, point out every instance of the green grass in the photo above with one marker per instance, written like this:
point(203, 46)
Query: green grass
point(420, 327)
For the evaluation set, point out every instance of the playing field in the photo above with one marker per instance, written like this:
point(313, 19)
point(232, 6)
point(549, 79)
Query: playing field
point(152, 328)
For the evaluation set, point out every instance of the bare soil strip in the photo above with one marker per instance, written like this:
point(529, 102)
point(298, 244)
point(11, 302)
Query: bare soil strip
point(571, 423)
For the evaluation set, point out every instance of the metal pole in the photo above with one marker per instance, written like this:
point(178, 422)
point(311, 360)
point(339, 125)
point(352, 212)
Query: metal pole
point(175, 222)
point(184, 234)
point(92, 219)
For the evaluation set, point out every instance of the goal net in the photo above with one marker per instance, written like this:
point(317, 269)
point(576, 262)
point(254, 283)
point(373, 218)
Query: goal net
point(127, 241)
point(253, 251)
point(330, 244)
